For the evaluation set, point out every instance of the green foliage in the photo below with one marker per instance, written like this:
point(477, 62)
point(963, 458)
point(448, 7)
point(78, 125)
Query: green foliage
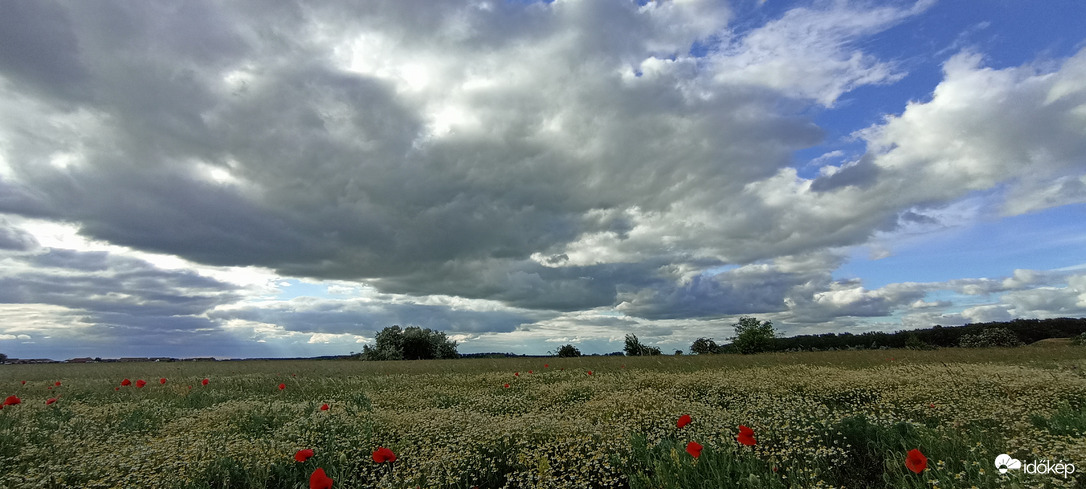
point(705, 346)
point(410, 343)
point(634, 348)
point(667, 465)
point(569, 351)
point(1066, 421)
point(3, 357)
point(1079, 340)
point(753, 336)
point(913, 342)
point(991, 337)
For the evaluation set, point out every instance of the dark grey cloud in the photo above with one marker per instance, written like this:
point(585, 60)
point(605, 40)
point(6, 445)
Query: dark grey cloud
point(342, 176)
point(15, 239)
point(716, 296)
point(363, 318)
point(114, 291)
point(863, 173)
point(40, 49)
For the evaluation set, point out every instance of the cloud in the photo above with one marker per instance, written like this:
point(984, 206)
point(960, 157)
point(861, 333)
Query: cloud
point(346, 316)
point(108, 298)
point(810, 52)
point(14, 238)
point(550, 158)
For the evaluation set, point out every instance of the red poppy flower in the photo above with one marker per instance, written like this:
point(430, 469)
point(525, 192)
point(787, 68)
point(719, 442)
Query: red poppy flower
point(506, 386)
point(24, 382)
point(282, 386)
point(382, 455)
point(303, 455)
point(140, 383)
point(694, 449)
point(11, 401)
point(324, 407)
point(589, 372)
point(320, 480)
point(516, 374)
point(50, 387)
point(57, 383)
point(162, 380)
point(916, 461)
point(126, 382)
point(546, 365)
point(50, 401)
point(116, 388)
point(746, 436)
point(205, 381)
point(932, 405)
point(683, 420)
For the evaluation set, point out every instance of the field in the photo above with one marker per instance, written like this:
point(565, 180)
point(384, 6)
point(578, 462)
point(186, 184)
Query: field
point(827, 419)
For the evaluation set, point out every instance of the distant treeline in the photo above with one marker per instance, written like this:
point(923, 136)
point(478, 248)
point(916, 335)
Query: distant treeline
point(1027, 331)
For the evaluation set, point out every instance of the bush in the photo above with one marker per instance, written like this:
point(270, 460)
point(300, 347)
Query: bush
point(704, 346)
point(753, 336)
point(569, 351)
point(634, 347)
point(411, 343)
point(991, 337)
point(1079, 340)
point(913, 342)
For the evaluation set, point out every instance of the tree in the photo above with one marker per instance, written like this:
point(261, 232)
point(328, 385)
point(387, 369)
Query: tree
point(411, 343)
point(635, 348)
point(3, 357)
point(569, 351)
point(704, 346)
point(990, 337)
point(752, 335)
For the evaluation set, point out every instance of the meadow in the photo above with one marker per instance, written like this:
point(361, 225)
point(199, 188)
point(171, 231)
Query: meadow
point(827, 419)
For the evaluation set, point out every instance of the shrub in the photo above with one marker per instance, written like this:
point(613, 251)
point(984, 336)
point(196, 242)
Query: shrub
point(1079, 340)
point(411, 343)
point(913, 342)
point(991, 337)
point(634, 347)
point(569, 351)
point(704, 346)
point(753, 336)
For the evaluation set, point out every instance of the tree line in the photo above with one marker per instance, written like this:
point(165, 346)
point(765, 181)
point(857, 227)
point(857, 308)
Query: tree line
point(752, 335)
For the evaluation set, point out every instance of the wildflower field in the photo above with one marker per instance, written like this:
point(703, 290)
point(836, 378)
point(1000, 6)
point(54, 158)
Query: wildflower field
point(857, 419)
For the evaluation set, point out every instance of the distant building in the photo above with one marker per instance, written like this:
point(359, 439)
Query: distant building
point(80, 360)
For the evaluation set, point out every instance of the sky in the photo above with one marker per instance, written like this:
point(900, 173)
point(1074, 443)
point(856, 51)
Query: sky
point(254, 179)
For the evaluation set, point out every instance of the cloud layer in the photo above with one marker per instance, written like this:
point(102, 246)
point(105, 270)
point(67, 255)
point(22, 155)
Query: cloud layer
point(534, 160)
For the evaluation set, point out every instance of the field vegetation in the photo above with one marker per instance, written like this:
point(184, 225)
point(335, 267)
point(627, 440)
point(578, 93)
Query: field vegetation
point(823, 419)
